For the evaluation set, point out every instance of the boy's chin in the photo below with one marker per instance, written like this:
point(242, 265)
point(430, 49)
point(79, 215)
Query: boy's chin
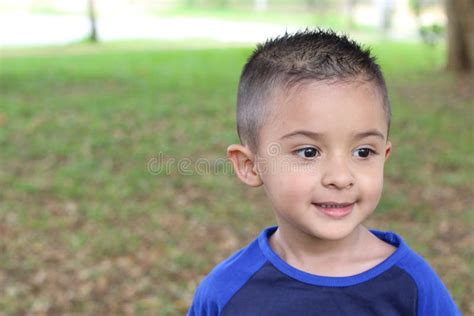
point(335, 233)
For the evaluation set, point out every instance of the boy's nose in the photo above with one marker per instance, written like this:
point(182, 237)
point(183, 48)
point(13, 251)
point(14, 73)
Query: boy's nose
point(337, 175)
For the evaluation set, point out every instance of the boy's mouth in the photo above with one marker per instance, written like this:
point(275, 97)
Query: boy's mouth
point(333, 204)
point(335, 209)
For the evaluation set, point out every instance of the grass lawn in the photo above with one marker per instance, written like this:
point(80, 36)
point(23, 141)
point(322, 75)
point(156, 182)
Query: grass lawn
point(92, 223)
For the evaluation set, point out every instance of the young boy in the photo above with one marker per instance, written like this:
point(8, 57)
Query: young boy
point(313, 119)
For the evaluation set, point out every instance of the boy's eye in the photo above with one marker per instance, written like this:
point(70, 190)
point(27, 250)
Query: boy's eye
point(307, 152)
point(363, 152)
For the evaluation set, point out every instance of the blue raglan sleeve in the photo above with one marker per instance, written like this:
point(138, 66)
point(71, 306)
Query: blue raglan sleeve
point(203, 304)
point(225, 280)
point(433, 297)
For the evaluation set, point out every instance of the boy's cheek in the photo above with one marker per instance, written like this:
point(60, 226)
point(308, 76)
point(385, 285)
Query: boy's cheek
point(372, 182)
point(284, 181)
point(292, 188)
point(266, 166)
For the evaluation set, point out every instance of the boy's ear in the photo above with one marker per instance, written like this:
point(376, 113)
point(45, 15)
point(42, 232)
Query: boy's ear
point(388, 150)
point(244, 164)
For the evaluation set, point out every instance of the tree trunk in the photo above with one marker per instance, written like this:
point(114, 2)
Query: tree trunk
point(460, 35)
point(350, 8)
point(385, 8)
point(92, 17)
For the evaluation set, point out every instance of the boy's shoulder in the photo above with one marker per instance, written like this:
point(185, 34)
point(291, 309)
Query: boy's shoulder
point(256, 274)
point(226, 279)
point(433, 296)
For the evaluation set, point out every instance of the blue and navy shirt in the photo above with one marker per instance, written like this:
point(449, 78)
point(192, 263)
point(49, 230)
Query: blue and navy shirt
point(256, 281)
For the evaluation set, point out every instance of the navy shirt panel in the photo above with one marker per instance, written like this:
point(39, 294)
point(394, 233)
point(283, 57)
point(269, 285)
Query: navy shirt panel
point(256, 281)
point(270, 292)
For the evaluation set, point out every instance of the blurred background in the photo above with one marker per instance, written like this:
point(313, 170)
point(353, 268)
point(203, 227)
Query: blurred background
point(116, 197)
point(63, 21)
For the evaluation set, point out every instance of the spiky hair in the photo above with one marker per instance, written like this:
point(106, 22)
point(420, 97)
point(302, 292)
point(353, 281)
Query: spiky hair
point(292, 59)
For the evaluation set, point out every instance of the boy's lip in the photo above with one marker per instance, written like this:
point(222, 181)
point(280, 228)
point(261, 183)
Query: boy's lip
point(335, 210)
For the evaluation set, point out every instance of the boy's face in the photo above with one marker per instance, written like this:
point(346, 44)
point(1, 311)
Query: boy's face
point(321, 157)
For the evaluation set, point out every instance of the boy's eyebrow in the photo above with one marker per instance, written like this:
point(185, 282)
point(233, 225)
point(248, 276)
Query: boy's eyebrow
point(309, 134)
point(316, 135)
point(372, 132)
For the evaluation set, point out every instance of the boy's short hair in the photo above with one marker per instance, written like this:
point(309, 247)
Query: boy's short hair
point(292, 59)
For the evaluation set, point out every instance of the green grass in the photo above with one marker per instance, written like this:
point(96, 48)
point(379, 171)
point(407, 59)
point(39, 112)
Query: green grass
point(86, 228)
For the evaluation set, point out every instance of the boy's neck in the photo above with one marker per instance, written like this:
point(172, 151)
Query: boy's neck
point(354, 254)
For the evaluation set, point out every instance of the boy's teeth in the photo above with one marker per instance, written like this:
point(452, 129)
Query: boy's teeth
point(331, 205)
